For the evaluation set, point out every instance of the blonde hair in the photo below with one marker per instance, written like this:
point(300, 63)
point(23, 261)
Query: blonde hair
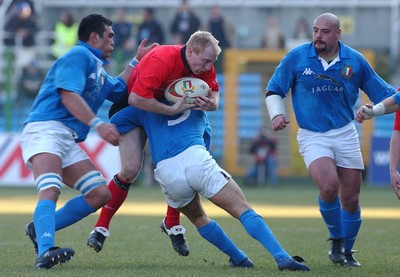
point(200, 40)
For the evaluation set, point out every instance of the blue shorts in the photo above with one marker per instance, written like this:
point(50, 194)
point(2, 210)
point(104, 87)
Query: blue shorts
point(127, 119)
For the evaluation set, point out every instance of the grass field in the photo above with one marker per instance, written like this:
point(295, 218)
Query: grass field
point(138, 248)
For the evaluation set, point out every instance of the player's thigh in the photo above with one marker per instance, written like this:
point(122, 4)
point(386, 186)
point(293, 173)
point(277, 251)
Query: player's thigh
point(323, 171)
point(195, 213)
point(231, 198)
point(73, 172)
point(131, 148)
point(45, 163)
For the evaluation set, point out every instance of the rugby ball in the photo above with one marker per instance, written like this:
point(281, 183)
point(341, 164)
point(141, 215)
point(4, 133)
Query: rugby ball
point(194, 87)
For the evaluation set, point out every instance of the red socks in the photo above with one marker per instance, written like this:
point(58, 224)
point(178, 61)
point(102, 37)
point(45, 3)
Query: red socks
point(118, 197)
point(172, 217)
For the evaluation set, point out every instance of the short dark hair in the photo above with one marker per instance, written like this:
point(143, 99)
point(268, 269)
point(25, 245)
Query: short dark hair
point(92, 23)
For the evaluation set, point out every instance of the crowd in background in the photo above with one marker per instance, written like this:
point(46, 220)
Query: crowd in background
point(21, 28)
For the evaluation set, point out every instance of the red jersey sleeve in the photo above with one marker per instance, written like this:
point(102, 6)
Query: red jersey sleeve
point(150, 77)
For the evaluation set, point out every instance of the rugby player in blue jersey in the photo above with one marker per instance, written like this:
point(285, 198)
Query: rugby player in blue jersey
point(62, 114)
point(185, 170)
point(325, 78)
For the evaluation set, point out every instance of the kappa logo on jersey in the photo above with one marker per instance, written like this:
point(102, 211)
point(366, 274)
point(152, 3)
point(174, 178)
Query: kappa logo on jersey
point(347, 72)
point(308, 71)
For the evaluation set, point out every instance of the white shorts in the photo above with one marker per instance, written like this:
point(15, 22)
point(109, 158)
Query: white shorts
point(341, 144)
point(50, 137)
point(190, 172)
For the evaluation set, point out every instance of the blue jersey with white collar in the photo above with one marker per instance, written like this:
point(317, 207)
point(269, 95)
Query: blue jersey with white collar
point(80, 70)
point(324, 99)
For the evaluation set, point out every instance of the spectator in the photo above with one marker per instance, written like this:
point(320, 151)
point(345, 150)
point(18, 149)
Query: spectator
point(302, 30)
point(273, 37)
point(184, 24)
point(21, 29)
point(264, 150)
point(29, 83)
point(65, 34)
point(301, 34)
point(123, 43)
point(223, 30)
point(20, 25)
point(150, 28)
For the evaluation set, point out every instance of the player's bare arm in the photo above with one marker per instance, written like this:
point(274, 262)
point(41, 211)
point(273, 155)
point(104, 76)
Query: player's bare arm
point(367, 111)
point(154, 106)
point(276, 111)
point(395, 162)
point(77, 106)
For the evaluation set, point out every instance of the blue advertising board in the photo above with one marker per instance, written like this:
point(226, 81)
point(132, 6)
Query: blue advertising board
point(378, 169)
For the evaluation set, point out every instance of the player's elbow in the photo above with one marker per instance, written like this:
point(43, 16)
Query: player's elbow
point(133, 99)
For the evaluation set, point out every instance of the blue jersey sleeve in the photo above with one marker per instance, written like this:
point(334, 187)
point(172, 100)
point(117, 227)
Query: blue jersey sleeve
point(374, 86)
point(72, 69)
point(282, 79)
point(117, 88)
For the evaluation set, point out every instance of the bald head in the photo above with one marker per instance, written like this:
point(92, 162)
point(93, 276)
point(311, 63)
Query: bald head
point(328, 18)
point(326, 34)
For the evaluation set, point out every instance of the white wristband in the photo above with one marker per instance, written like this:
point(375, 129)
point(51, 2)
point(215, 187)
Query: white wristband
point(274, 105)
point(376, 110)
point(95, 123)
point(379, 109)
point(134, 62)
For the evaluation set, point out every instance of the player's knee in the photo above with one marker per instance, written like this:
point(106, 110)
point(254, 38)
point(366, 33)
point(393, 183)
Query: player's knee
point(101, 195)
point(51, 193)
point(49, 185)
point(328, 193)
point(129, 173)
point(350, 202)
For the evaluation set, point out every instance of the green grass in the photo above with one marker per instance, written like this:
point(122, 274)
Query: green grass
point(138, 248)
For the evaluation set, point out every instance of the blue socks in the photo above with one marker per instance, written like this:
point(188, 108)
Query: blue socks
point(351, 225)
point(258, 229)
point(44, 220)
point(331, 213)
point(214, 234)
point(47, 220)
point(74, 210)
point(340, 223)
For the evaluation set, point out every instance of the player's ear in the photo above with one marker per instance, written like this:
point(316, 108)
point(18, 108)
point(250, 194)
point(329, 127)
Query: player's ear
point(189, 50)
point(94, 37)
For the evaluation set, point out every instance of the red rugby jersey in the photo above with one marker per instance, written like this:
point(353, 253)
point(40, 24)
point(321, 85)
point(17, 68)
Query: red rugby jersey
point(160, 67)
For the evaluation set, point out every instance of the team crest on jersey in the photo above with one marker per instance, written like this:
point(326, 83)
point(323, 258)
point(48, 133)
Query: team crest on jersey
point(347, 72)
point(187, 86)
